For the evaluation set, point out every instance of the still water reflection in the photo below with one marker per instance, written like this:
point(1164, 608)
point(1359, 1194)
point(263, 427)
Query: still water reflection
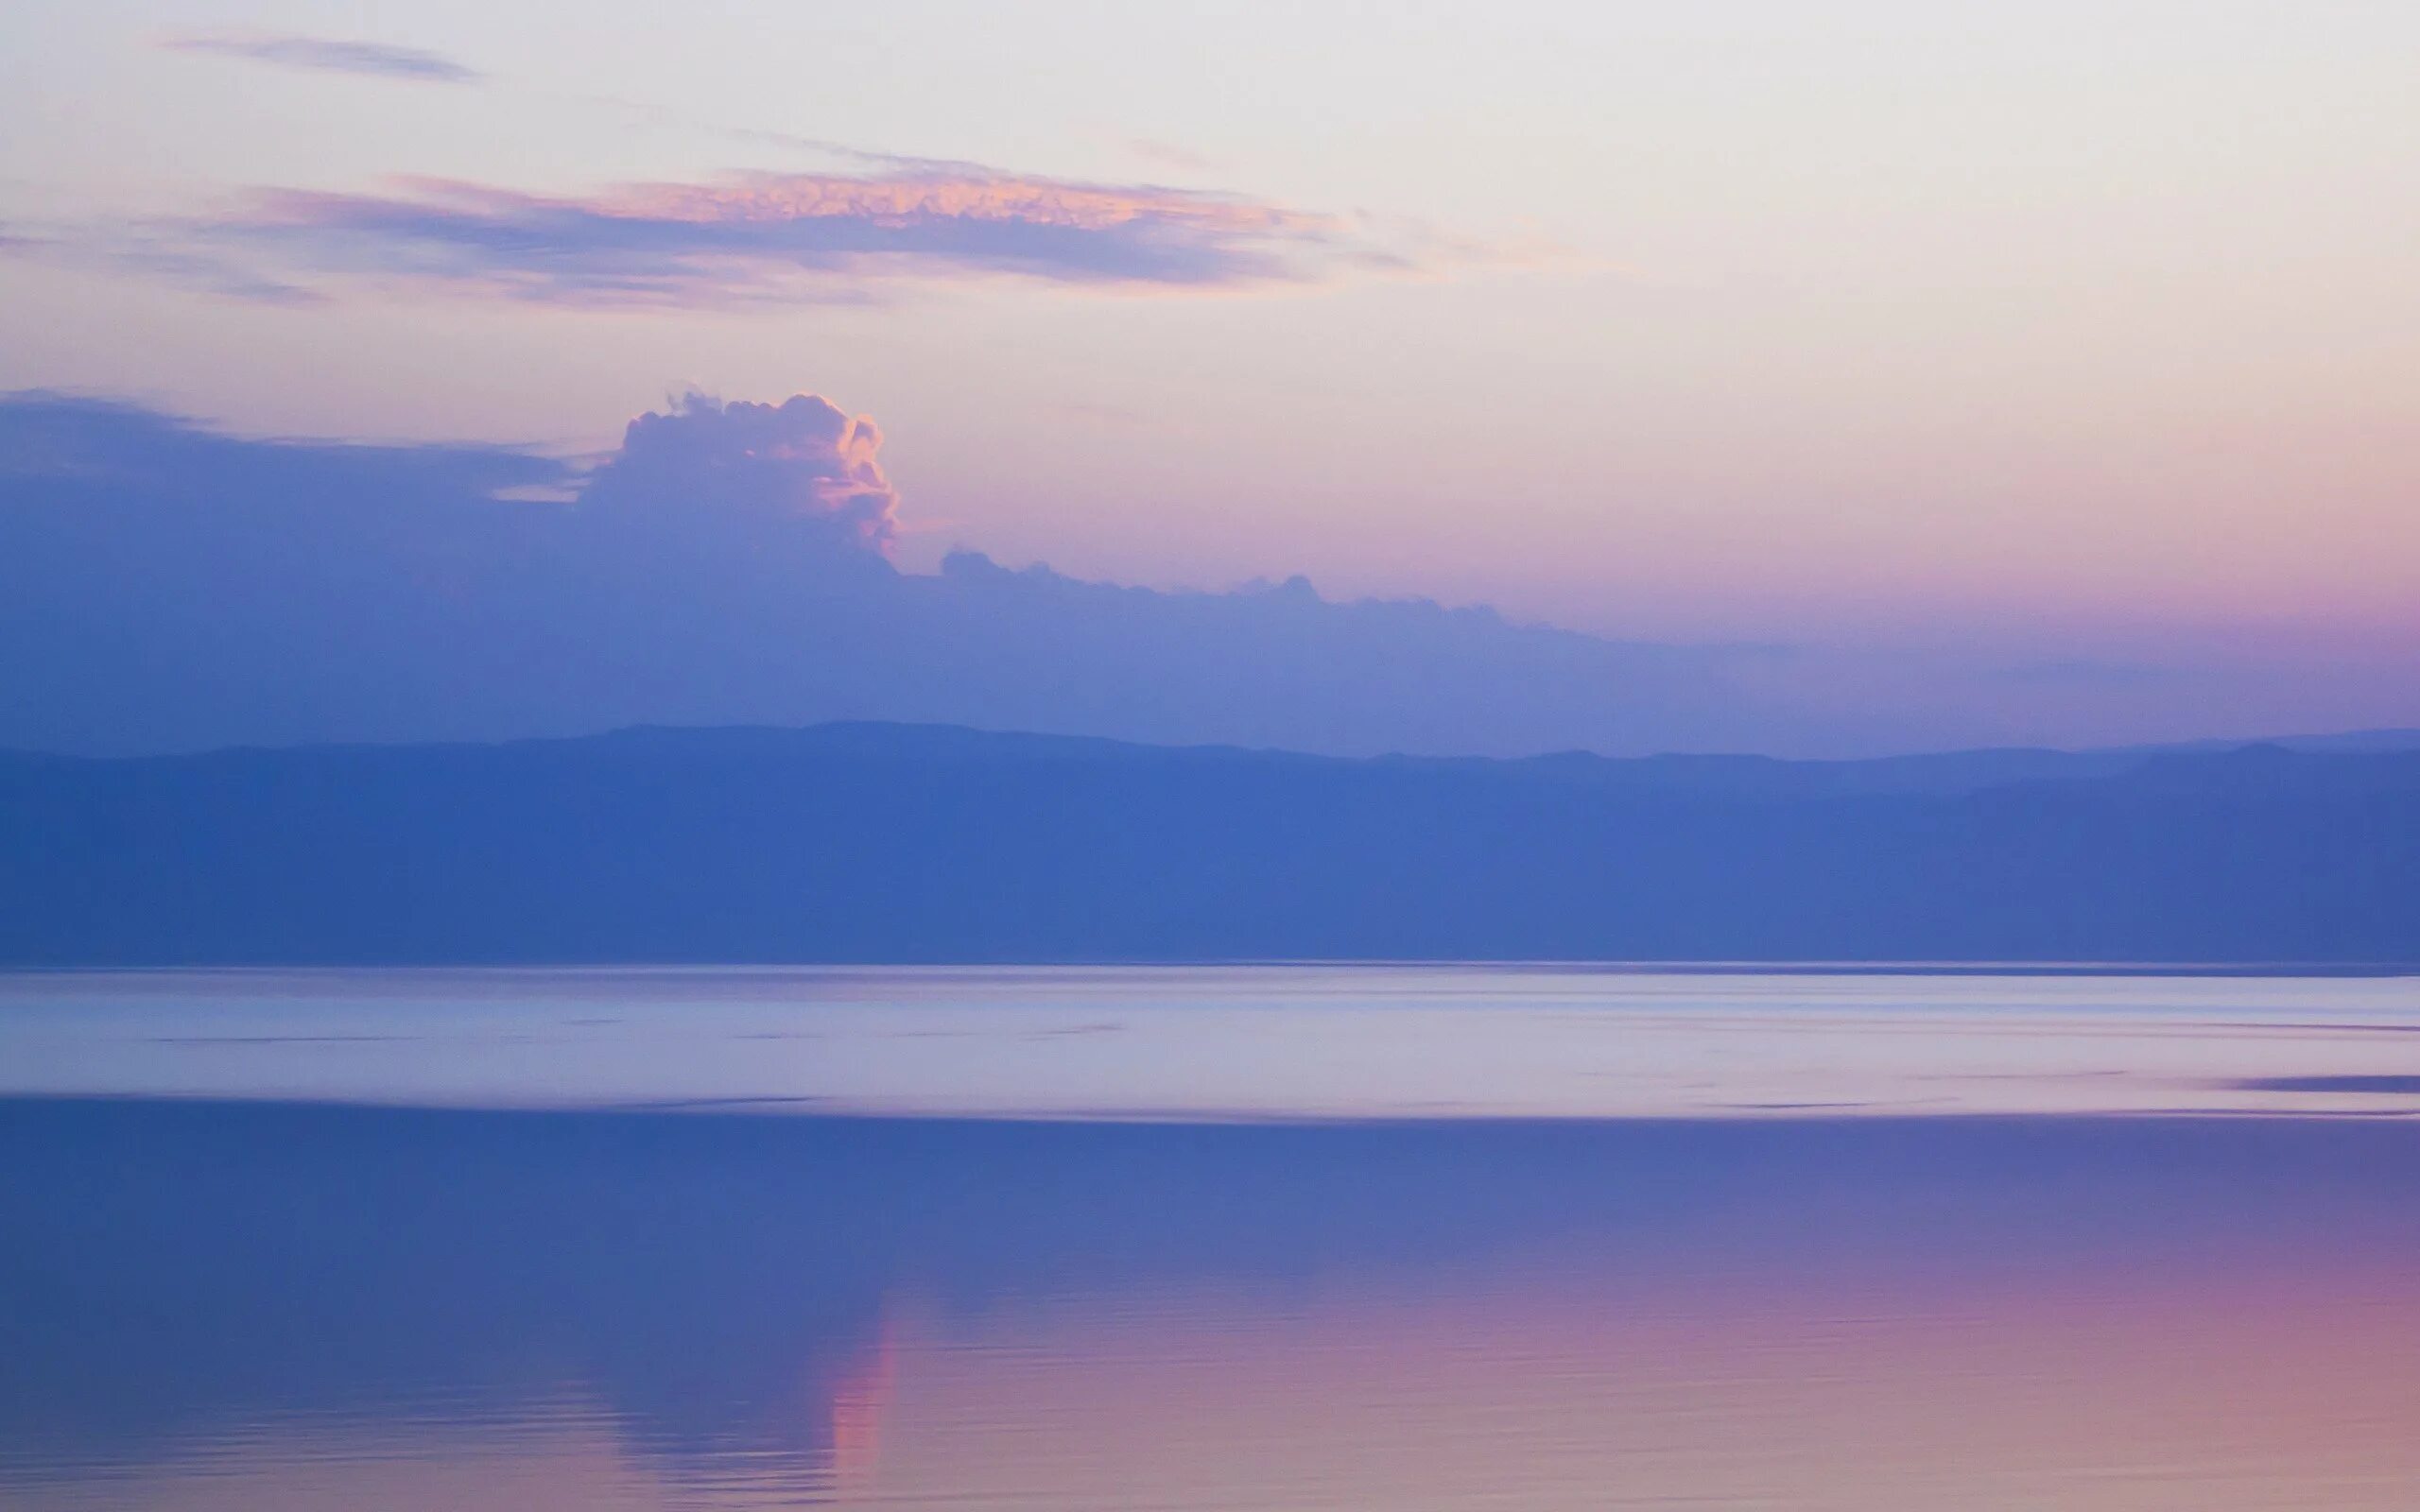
point(266, 1305)
point(1230, 1041)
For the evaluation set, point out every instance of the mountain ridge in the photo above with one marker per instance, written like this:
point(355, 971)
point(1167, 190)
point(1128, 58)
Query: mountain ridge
point(875, 842)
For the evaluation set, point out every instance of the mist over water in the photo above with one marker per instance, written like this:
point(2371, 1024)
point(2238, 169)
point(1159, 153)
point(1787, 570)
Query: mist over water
point(409, 1240)
point(1222, 1041)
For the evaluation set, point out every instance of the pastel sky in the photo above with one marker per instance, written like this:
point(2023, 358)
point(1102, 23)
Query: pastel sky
point(2063, 333)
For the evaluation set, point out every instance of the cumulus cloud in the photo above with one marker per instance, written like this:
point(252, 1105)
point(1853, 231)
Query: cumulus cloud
point(780, 236)
point(803, 460)
point(326, 55)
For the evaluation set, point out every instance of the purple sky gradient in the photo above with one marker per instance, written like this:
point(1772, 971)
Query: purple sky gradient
point(2056, 365)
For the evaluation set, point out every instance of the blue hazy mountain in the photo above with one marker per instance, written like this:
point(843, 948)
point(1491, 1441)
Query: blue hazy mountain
point(908, 843)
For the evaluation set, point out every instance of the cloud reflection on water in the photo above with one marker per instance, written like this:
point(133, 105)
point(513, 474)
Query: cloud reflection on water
point(717, 1310)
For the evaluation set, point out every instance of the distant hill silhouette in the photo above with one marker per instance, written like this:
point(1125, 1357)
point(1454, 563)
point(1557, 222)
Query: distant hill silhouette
point(922, 843)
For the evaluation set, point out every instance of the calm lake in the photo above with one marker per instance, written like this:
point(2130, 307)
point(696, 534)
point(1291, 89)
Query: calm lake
point(1114, 1239)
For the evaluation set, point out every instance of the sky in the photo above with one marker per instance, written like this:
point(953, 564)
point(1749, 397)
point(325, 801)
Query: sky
point(2003, 356)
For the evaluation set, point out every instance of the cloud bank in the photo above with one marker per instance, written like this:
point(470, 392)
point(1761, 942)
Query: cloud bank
point(325, 55)
point(167, 587)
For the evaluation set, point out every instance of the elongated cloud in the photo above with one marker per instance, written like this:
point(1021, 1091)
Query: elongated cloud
point(330, 55)
point(771, 237)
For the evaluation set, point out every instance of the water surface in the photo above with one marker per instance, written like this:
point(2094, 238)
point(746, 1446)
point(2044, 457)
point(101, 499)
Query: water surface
point(1230, 1041)
point(501, 1241)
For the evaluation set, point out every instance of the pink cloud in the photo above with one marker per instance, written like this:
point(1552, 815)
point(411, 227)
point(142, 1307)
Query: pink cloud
point(804, 459)
point(776, 236)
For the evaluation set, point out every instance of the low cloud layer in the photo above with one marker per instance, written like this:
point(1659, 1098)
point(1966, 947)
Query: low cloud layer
point(751, 237)
point(167, 587)
point(325, 55)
